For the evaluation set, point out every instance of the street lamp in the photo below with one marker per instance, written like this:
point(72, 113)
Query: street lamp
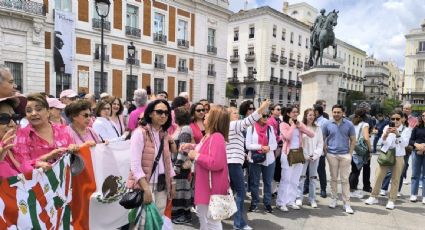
point(102, 9)
point(131, 50)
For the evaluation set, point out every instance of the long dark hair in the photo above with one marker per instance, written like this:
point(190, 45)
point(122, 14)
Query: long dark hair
point(243, 108)
point(193, 110)
point(359, 116)
point(149, 111)
point(286, 111)
point(420, 122)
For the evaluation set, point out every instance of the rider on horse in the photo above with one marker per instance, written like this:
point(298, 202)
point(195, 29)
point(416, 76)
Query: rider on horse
point(318, 25)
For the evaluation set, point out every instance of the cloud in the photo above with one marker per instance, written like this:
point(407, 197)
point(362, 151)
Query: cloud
point(377, 26)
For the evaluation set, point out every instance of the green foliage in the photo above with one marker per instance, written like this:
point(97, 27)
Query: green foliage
point(351, 97)
point(389, 105)
point(229, 90)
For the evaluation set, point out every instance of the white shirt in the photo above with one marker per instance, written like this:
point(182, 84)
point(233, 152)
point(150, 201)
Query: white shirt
point(399, 143)
point(313, 146)
point(357, 127)
point(295, 142)
point(251, 143)
point(106, 130)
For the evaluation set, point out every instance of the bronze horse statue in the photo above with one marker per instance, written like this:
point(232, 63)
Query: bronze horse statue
point(326, 38)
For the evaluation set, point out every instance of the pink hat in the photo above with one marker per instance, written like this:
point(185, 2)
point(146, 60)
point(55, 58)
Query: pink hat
point(69, 93)
point(55, 103)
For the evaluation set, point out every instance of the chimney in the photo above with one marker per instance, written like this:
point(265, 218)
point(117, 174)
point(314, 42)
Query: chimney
point(285, 7)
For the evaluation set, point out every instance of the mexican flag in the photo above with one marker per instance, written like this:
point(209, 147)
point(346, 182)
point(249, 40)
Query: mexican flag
point(37, 200)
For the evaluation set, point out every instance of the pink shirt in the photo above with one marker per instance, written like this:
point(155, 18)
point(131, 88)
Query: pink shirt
point(413, 121)
point(7, 170)
point(90, 135)
point(132, 121)
point(197, 133)
point(137, 144)
point(29, 146)
point(119, 125)
point(287, 132)
point(212, 158)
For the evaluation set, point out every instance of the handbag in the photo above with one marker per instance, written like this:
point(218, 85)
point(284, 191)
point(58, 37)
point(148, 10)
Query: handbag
point(387, 158)
point(256, 156)
point(361, 147)
point(296, 156)
point(221, 207)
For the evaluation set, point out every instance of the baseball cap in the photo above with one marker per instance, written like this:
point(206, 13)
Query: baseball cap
point(55, 103)
point(69, 93)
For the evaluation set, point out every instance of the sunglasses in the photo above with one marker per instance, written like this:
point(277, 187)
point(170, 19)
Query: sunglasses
point(160, 112)
point(85, 115)
point(251, 108)
point(277, 109)
point(200, 110)
point(5, 118)
point(395, 118)
point(266, 116)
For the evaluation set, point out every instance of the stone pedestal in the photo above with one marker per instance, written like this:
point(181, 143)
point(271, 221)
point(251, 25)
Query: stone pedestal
point(320, 83)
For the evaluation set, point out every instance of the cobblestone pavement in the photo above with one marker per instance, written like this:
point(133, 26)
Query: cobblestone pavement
point(406, 215)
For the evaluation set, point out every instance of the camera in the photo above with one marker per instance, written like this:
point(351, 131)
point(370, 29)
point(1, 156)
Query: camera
point(391, 124)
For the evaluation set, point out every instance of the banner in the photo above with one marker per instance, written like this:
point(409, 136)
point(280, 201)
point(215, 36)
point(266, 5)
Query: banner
point(64, 40)
point(37, 200)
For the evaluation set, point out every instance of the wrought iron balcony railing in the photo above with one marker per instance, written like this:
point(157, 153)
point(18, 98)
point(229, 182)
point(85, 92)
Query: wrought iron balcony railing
point(160, 38)
point(24, 6)
point(212, 49)
point(97, 24)
point(159, 65)
point(250, 57)
point(131, 31)
point(274, 57)
point(182, 43)
point(182, 69)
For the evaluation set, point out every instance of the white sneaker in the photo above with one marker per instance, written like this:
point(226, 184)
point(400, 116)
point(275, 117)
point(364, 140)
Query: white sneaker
point(247, 227)
point(390, 205)
point(359, 194)
point(371, 201)
point(348, 209)
point(314, 204)
point(383, 192)
point(333, 203)
point(399, 194)
point(413, 198)
point(299, 202)
point(294, 206)
point(405, 182)
point(283, 208)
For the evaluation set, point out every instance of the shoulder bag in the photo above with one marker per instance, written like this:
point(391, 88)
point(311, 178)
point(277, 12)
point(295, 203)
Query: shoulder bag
point(361, 147)
point(255, 155)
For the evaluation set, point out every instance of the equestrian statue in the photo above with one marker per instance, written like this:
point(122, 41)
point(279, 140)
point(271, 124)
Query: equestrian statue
point(322, 36)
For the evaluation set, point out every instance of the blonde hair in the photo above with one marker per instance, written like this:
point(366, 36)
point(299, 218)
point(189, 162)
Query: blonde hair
point(218, 121)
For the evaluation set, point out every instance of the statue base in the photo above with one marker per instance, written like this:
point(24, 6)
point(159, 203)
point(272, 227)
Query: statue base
point(320, 83)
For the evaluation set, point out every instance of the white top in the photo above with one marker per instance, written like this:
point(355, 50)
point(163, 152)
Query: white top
point(357, 127)
point(399, 143)
point(295, 142)
point(251, 143)
point(313, 146)
point(106, 130)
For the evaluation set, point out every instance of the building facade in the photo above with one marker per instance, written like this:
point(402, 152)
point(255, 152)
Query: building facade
point(414, 69)
point(377, 76)
point(177, 47)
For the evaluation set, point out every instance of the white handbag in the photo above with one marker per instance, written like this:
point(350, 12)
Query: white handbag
point(221, 207)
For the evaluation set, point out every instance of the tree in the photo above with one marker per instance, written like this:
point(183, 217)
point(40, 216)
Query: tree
point(351, 97)
point(389, 105)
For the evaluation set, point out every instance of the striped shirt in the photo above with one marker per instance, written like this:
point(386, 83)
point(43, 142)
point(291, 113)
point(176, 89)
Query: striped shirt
point(235, 148)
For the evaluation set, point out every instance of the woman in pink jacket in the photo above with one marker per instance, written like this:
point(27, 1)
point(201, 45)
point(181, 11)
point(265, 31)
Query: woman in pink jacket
point(291, 130)
point(210, 157)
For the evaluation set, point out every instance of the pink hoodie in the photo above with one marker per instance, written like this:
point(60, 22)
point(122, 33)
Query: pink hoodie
point(286, 131)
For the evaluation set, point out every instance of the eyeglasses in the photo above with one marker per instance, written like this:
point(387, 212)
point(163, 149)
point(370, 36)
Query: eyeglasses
point(5, 118)
point(160, 112)
point(251, 108)
point(200, 110)
point(106, 108)
point(395, 118)
point(266, 116)
point(85, 115)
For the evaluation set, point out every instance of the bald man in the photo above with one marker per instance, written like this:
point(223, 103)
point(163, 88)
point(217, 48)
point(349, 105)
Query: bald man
point(413, 121)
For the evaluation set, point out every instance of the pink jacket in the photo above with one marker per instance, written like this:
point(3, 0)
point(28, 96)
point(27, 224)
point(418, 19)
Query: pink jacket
point(273, 123)
point(287, 131)
point(212, 158)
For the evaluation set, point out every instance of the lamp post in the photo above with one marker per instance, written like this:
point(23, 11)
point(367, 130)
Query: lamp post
point(102, 9)
point(131, 50)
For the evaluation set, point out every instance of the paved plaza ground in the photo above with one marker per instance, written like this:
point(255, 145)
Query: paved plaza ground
point(406, 215)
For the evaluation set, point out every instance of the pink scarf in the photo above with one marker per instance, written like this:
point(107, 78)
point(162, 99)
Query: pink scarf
point(263, 140)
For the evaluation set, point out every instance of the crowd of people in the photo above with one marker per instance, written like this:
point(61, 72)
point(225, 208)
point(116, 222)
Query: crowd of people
point(187, 151)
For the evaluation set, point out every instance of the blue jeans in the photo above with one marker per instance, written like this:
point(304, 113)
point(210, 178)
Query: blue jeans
point(254, 176)
point(312, 175)
point(238, 185)
point(418, 172)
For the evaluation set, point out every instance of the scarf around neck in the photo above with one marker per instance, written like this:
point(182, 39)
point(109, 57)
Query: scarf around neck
point(263, 140)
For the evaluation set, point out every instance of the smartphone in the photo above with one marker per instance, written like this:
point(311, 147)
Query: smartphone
point(391, 124)
point(295, 120)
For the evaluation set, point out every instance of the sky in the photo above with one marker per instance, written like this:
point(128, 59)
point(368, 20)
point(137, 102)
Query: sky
point(375, 26)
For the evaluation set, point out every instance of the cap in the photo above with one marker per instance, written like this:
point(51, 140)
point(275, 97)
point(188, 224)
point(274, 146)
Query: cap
point(55, 103)
point(69, 93)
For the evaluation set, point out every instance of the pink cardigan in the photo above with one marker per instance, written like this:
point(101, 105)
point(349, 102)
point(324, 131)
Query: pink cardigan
point(212, 158)
point(273, 123)
point(286, 131)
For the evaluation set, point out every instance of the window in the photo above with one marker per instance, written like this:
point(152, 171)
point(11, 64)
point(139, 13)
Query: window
point(281, 93)
point(100, 83)
point(290, 75)
point(159, 59)
point(158, 85)
point(132, 16)
point(292, 37)
point(236, 34)
point(274, 30)
point(283, 34)
point(62, 83)
point(182, 30)
point(272, 72)
point(211, 37)
point(16, 69)
point(235, 72)
point(349, 60)
point(282, 52)
point(297, 95)
point(289, 95)
point(251, 31)
point(421, 46)
point(131, 86)
point(281, 73)
point(97, 53)
point(251, 51)
point(182, 63)
point(235, 52)
point(251, 71)
point(271, 92)
point(159, 23)
point(211, 70)
point(181, 87)
point(64, 5)
point(210, 93)
point(306, 43)
point(299, 40)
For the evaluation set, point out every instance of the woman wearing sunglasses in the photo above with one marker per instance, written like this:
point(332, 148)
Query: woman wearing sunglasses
point(394, 138)
point(197, 112)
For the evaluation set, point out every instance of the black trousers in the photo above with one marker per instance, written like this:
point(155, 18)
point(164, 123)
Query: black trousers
point(321, 171)
point(355, 174)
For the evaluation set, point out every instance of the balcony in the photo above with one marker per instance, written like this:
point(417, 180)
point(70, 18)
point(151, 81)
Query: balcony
point(250, 57)
point(159, 65)
point(299, 64)
point(283, 81)
point(133, 61)
point(233, 79)
point(160, 38)
point(234, 58)
point(97, 24)
point(274, 57)
point(419, 71)
point(291, 62)
point(24, 7)
point(181, 43)
point(182, 69)
point(96, 57)
point(212, 50)
point(283, 60)
point(306, 66)
point(291, 83)
point(211, 73)
point(132, 31)
point(299, 84)
point(249, 78)
point(274, 80)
